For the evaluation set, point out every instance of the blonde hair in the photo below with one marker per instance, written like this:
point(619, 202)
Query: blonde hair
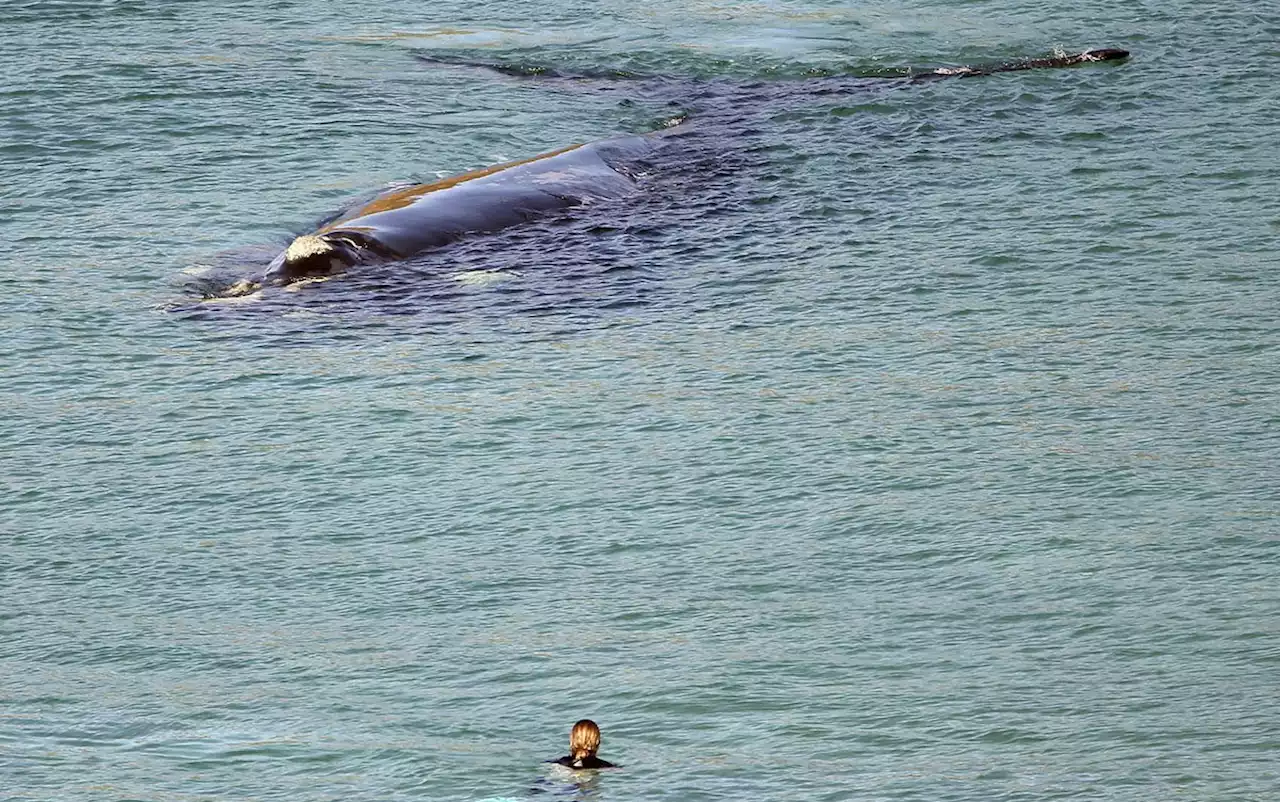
point(584, 739)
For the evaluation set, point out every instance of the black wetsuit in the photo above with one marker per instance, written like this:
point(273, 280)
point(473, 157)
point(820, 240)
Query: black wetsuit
point(588, 762)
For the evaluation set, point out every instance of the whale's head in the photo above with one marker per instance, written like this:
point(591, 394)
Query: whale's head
point(312, 255)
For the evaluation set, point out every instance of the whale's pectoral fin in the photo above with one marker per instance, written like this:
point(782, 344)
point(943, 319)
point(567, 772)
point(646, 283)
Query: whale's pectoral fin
point(633, 84)
point(528, 70)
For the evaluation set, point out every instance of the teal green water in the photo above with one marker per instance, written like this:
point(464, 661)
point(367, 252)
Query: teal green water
point(925, 448)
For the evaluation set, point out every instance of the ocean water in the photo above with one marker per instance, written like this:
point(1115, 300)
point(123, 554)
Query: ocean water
point(911, 441)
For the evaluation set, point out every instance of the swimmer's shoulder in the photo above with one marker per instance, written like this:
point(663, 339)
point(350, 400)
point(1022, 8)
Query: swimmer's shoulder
point(590, 762)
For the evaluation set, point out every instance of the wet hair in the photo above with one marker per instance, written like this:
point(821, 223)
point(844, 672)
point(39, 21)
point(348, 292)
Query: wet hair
point(584, 739)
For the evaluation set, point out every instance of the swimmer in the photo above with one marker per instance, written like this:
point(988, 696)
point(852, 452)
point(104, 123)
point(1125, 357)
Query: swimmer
point(584, 740)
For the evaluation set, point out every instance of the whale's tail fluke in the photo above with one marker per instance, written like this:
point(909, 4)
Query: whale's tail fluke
point(1105, 54)
point(1050, 62)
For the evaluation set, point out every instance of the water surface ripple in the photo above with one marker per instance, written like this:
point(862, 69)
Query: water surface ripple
point(910, 442)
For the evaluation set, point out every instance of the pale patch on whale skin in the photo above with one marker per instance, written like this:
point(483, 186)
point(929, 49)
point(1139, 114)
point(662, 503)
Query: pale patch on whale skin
point(242, 298)
point(554, 177)
point(302, 282)
point(241, 289)
point(306, 246)
point(248, 291)
point(484, 278)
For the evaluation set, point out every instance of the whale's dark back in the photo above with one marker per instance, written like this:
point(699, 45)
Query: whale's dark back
point(409, 220)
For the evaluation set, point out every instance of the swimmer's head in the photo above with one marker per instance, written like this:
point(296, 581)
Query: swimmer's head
point(584, 739)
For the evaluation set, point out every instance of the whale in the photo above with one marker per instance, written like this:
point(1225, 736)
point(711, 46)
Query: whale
point(400, 223)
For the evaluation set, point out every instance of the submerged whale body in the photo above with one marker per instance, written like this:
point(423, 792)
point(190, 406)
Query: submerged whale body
point(399, 223)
